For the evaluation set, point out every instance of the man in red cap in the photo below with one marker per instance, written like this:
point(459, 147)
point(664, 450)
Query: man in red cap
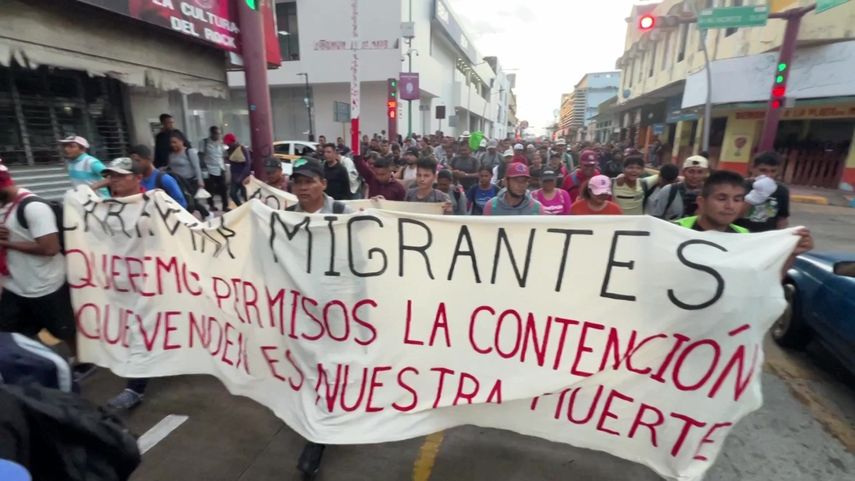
point(588, 162)
point(34, 295)
point(514, 199)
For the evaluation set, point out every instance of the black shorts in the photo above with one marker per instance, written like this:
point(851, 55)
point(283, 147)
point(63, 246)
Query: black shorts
point(29, 315)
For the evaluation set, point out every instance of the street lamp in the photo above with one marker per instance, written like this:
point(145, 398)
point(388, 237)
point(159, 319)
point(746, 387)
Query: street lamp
point(308, 107)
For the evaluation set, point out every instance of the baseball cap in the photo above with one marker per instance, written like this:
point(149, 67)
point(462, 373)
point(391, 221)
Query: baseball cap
point(517, 169)
point(548, 174)
point(75, 139)
point(519, 147)
point(412, 151)
point(229, 138)
point(589, 157)
point(508, 153)
point(560, 142)
point(308, 168)
point(492, 144)
point(600, 184)
point(120, 165)
point(696, 161)
point(272, 163)
point(5, 177)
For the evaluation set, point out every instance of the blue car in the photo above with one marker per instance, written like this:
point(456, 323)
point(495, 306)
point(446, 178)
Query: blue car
point(820, 292)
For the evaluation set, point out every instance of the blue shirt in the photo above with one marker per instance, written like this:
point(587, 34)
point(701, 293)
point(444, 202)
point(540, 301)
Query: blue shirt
point(169, 185)
point(86, 170)
point(478, 197)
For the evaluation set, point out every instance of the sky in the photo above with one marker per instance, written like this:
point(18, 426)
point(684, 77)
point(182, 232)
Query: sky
point(551, 43)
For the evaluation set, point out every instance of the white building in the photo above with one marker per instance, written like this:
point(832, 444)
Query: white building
point(315, 38)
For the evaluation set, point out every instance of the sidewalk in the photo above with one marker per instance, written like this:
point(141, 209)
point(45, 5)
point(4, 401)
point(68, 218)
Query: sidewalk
point(819, 196)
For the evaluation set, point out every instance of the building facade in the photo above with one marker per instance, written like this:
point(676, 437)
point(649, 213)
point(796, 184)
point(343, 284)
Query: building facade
point(663, 85)
point(579, 107)
point(315, 38)
point(77, 69)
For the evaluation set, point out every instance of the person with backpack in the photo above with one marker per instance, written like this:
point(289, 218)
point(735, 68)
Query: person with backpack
point(83, 169)
point(680, 199)
point(445, 184)
point(652, 185)
point(35, 294)
point(153, 178)
point(185, 168)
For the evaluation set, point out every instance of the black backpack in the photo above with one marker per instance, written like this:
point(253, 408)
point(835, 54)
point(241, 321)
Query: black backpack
point(54, 205)
point(182, 184)
point(678, 188)
point(63, 436)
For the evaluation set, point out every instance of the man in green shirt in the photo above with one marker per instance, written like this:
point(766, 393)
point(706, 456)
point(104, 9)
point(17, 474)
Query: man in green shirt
point(721, 202)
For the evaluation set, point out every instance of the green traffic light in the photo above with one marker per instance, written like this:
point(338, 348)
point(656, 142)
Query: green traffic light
point(251, 4)
point(782, 66)
point(779, 79)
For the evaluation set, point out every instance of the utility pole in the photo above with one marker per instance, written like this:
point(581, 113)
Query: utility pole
point(785, 57)
point(307, 101)
point(354, 78)
point(410, 70)
point(251, 25)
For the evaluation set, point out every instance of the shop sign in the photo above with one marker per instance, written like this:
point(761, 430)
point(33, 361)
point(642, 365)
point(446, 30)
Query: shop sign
point(211, 21)
point(214, 22)
point(802, 113)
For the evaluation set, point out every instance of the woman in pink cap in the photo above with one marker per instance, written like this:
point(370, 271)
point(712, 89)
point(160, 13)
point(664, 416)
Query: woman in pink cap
point(594, 198)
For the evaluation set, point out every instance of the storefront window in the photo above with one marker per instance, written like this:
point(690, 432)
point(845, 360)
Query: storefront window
point(289, 38)
point(44, 105)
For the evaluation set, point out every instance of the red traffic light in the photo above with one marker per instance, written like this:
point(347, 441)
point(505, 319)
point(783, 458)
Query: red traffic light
point(646, 23)
point(392, 104)
point(779, 91)
point(392, 114)
point(776, 104)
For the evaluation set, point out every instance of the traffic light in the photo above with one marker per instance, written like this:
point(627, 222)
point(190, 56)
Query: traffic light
point(646, 23)
point(779, 86)
point(252, 4)
point(392, 107)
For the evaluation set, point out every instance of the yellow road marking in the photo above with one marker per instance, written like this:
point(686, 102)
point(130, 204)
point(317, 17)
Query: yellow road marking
point(427, 456)
point(795, 377)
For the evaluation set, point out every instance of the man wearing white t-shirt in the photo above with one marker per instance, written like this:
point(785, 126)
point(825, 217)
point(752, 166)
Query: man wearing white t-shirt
point(35, 295)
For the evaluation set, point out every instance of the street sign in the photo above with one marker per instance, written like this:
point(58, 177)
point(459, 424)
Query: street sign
point(733, 17)
point(823, 5)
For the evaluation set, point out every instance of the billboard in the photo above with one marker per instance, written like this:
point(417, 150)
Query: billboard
point(210, 21)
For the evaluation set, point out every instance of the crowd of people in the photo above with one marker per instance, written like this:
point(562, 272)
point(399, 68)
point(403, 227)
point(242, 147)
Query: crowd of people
point(490, 177)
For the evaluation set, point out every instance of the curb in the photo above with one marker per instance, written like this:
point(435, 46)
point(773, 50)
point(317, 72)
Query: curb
point(809, 199)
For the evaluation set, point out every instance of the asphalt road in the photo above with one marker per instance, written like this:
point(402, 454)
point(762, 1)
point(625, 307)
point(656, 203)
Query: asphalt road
point(804, 431)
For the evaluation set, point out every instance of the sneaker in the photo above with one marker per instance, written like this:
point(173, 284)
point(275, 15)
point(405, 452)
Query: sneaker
point(126, 400)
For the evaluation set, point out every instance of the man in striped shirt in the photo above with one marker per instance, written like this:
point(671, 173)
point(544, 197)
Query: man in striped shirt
point(83, 169)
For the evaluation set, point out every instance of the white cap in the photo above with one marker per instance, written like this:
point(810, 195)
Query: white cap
point(75, 139)
point(519, 147)
point(696, 161)
point(508, 153)
point(560, 142)
point(466, 134)
point(483, 142)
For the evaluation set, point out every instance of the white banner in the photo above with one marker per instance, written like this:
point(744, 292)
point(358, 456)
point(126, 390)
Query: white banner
point(279, 199)
point(624, 334)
